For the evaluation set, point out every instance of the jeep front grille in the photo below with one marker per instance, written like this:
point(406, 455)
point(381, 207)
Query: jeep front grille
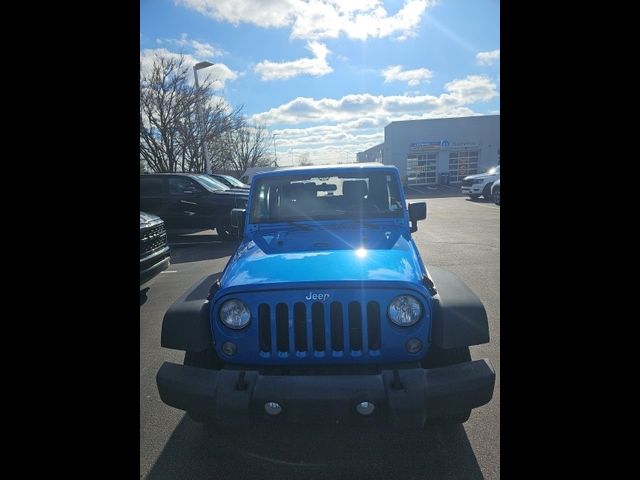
point(322, 329)
point(467, 183)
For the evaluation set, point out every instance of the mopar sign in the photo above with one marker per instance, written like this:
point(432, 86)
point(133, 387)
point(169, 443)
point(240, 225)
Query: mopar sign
point(418, 146)
point(441, 145)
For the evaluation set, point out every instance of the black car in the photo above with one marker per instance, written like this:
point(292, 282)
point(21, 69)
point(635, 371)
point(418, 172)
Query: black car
point(189, 200)
point(154, 251)
point(229, 181)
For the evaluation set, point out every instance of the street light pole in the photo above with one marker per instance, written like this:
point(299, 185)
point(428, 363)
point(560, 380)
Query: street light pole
point(196, 67)
point(274, 147)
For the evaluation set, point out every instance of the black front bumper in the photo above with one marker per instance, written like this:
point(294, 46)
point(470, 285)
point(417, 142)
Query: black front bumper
point(404, 398)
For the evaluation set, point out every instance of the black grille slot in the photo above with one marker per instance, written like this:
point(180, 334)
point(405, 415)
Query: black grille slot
point(355, 326)
point(467, 183)
point(337, 333)
point(373, 325)
point(151, 239)
point(282, 327)
point(317, 326)
point(300, 326)
point(346, 328)
point(264, 327)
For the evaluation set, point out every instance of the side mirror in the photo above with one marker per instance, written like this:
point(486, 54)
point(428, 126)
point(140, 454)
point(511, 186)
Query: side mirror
point(417, 211)
point(237, 220)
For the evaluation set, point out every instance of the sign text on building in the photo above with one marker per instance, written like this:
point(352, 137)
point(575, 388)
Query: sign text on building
point(441, 145)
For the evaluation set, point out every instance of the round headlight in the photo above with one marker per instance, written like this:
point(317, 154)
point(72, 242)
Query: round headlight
point(404, 310)
point(235, 314)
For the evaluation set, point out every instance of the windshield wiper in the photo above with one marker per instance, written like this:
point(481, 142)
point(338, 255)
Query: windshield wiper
point(356, 224)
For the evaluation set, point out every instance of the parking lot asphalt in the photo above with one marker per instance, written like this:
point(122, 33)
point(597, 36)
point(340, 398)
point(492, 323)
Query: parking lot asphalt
point(460, 235)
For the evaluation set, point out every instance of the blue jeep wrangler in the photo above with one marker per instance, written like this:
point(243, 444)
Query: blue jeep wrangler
point(326, 313)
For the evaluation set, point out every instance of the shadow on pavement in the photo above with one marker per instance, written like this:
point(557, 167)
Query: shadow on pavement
point(197, 246)
point(143, 295)
point(197, 452)
point(480, 200)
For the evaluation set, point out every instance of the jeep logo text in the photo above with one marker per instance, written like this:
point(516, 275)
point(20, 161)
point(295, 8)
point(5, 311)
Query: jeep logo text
point(317, 296)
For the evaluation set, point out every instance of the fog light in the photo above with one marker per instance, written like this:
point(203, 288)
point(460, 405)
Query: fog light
point(273, 408)
point(365, 408)
point(413, 345)
point(229, 348)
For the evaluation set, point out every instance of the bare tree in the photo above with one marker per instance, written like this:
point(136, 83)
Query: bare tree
point(245, 146)
point(217, 120)
point(171, 135)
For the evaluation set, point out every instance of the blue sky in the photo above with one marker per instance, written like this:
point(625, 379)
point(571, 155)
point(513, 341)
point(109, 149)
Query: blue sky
point(326, 76)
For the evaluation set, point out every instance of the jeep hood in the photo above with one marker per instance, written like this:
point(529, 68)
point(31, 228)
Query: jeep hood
point(324, 256)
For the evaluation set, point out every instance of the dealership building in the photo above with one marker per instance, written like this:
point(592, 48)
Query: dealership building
point(423, 150)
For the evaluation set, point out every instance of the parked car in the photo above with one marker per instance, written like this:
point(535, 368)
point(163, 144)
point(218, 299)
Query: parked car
point(495, 192)
point(191, 201)
point(154, 251)
point(326, 313)
point(476, 185)
point(229, 181)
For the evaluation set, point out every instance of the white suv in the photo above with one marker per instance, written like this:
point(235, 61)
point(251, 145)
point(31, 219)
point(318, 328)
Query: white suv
point(495, 192)
point(476, 185)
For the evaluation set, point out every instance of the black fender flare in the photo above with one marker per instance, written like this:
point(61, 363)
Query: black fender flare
point(185, 326)
point(459, 317)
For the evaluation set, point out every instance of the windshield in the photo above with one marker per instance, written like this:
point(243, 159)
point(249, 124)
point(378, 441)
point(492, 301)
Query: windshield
point(211, 184)
point(233, 180)
point(339, 196)
point(494, 170)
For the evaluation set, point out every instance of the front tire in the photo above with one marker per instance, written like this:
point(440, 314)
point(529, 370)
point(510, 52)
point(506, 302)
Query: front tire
point(206, 359)
point(439, 357)
point(496, 196)
point(443, 357)
point(224, 229)
point(486, 191)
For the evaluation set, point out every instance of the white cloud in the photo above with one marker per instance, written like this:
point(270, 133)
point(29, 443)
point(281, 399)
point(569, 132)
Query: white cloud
point(488, 58)
point(201, 50)
point(394, 73)
point(354, 107)
point(326, 134)
point(318, 19)
point(219, 73)
point(316, 66)
point(355, 122)
point(474, 88)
